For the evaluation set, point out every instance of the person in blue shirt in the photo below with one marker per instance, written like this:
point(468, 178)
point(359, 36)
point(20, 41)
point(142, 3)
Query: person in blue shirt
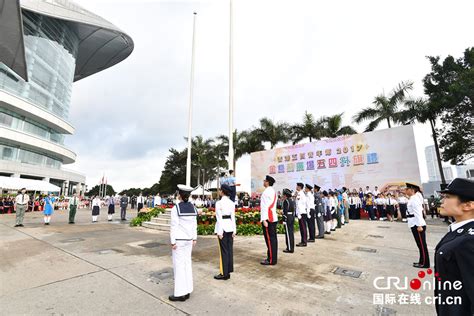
point(340, 209)
point(48, 208)
point(231, 182)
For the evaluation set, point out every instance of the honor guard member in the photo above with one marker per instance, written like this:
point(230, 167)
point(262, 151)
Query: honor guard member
point(183, 235)
point(301, 214)
point(310, 209)
point(318, 204)
point(289, 220)
point(225, 230)
point(417, 224)
point(269, 219)
point(454, 256)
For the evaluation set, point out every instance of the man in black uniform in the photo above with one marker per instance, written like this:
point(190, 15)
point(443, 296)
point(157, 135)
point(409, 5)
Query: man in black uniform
point(289, 220)
point(454, 257)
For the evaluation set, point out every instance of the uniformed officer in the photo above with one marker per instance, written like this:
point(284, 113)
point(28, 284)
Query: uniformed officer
point(310, 209)
point(454, 256)
point(183, 236)
point(318, 204)
point(225, 229)
point(289, 220)
point(269, 220)
point(301, 214)
point(417, 223)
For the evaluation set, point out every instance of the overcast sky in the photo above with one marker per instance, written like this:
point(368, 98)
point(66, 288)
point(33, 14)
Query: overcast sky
point(289, 56)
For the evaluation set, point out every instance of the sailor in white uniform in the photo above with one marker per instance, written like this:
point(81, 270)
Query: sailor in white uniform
point(183, 235)
point(225, 230)
point(417, 224)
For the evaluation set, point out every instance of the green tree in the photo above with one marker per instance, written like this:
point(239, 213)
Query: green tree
point(422, 111)
point(309, 128)
point(245, 142)
point(450, 87)
point(174, 171)
point(271, 132)
point(385, 108)
point(95, 191)
point(334, 128)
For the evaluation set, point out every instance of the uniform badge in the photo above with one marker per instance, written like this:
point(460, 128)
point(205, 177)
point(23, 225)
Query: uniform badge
point(460, 230)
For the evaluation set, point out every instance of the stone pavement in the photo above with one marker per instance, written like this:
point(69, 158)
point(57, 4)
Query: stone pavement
point(111, 268)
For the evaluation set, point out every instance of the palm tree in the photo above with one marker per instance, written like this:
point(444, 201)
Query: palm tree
point(244, 143)
point(385, 107)
point(333, 126)
point(203, 158)
point(271, 132)
point(310, 128)
point(422, 111)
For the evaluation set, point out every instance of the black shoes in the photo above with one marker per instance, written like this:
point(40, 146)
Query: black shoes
point(178, 298)
point(327, 233)
point(301, 245)
point(19, 225)
point(420, 266)
point(311, 240)
point(221, 277)
point(46, 223)
point(333, 229)
point(266, 263)
point(287, 251)
point(320, 237)
point(71, 223)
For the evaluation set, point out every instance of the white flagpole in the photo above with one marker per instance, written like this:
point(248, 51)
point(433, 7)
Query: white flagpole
point(190, 115)
point(231, 91)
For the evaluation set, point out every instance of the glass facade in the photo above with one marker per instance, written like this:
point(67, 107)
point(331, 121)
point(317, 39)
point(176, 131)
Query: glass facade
point(51, 48)
point(28, 157)
point(15, 121)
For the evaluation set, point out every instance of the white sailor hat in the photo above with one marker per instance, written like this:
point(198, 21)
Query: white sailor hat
point(185, 188)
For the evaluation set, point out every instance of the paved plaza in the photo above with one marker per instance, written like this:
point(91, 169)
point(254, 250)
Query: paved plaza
point(111, 268)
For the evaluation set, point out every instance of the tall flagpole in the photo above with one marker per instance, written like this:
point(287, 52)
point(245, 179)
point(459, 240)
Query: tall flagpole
point(190, 115)
point(231, 91)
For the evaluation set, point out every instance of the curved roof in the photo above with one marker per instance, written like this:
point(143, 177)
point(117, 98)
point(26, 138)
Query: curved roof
point(101, 44)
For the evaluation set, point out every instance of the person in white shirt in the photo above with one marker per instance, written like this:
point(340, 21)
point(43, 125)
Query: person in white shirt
point(367, 190)
point(380, 203)
point(417, 224)
point(402, 206)
point(345, 202)
point(327, 213)
point(310, 211)
point(376, 191)
point(157, 200)
point(111, 210)
point(73, 203)
point(333, 203)
point(21, 203)
point(269, 220)
point(183, 237)
point(225, 229)
point(301, 213)
point(390, 203)
point(95, 208)
point(353, 206)
point(140, 202)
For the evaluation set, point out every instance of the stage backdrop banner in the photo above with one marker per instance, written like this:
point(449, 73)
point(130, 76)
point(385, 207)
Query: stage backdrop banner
point(385, 158)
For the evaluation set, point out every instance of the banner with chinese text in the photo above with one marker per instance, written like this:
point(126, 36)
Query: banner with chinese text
point(381, 158)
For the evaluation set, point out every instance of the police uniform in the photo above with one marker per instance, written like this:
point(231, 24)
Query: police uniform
point(289, 221)
point(318, 204)
point(225, 227)
point(454, 259)
point(310, 209)
point(302, 215)
point(415, 220)
point(183, 232)
point(268, 213)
